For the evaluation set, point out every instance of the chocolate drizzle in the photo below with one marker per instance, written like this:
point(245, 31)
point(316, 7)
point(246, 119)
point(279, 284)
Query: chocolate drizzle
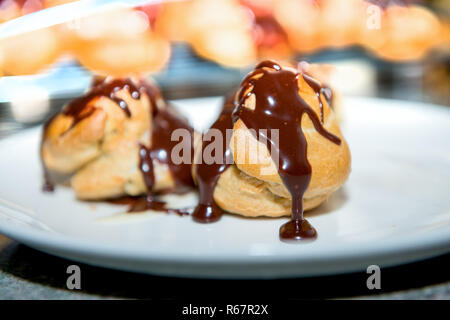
point(319, 90)
point(208, 174)
point(279, 106)
point(139, 204)
point(165, 122)
point(80, 109)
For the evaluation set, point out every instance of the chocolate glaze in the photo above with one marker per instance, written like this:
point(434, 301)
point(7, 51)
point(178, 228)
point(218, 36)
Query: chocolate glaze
point(165, 121)
point(319, 91)
point(279, 106)
point(208, 174)
point(80, 109)
point(139, 204)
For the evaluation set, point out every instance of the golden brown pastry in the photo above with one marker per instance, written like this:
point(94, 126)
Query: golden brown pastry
point(221, 31)
point(29, 52)
point(301, 20)
point(324, 73)
point(117, 43)
point(303, 165)
point(109, 141)
point(404, 33)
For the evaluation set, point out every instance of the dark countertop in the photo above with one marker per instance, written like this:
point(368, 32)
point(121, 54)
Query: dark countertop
point(26, 273)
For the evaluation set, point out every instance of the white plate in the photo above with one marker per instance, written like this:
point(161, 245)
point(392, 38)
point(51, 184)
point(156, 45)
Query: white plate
point(394, 209)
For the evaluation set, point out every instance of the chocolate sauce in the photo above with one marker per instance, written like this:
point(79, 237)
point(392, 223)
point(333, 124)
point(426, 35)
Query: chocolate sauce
point(80, 109)
point(279, 106)
point(319, 90)
point(208, 174)
point(164, 123)
point(139, 204)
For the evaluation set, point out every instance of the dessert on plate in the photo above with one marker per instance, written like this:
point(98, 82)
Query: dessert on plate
point(286, 153)
point(275, 150)
point(115, 141)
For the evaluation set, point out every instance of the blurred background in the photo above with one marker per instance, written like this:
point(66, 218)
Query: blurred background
point(193, 48)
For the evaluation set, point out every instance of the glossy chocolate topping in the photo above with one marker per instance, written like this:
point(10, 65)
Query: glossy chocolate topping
point(164, 123)
point(208, 174)
point(78, 108)
point(279, 106)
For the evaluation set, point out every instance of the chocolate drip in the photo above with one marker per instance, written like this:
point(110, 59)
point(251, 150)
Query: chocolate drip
point(208, 174)
point(139, 204)
point(279, 106)
point(319, 90)
point(165, 122)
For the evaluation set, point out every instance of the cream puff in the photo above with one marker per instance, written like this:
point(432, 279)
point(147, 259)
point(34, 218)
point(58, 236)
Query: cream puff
point(287, 151)
point(115, 140)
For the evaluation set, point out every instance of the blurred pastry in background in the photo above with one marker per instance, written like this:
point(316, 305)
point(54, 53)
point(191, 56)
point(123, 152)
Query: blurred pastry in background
point(436, 77)
point(30, 52)
point(404, 33)
point(114, 141)
point(11, 9)
point(117, 43)
point(301, 21)
point(341, 22)
point(270, 38)
point(233, 33)
point(171, 21)
point(221, 31)
point(54, 3)
point(324, 73)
